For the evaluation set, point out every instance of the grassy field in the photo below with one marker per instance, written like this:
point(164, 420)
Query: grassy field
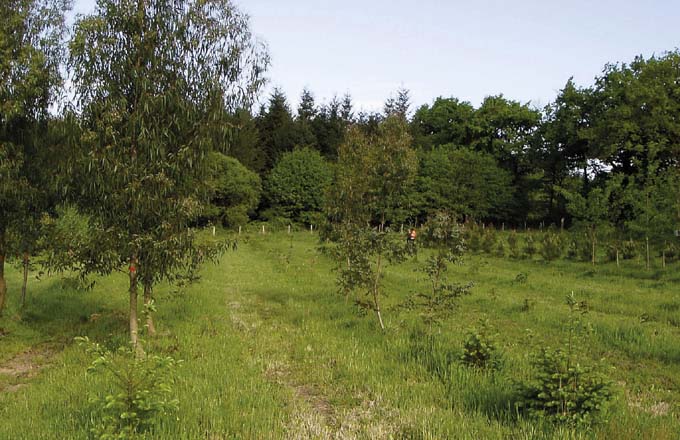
point(270, 350)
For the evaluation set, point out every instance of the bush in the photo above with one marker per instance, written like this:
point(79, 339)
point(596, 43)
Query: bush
point(479, 349)
point(529, 246)
point(563, 391)
point(672, 252)
point(513, 246)
point(551, 246)
point(142, 393)
point(500, 249)
point(629, 250)
point(474, 237)
point(488, 240)
point(572, 250)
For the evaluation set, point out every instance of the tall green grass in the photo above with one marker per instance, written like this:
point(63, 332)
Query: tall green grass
point(271, 350)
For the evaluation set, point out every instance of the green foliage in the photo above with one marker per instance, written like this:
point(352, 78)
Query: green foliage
point(488, 240)
point(521, 278)
point(474, 237)
point(155, 102)
point(442, 234)
point(362, 255)
point(500, 250)
point(630, 249)
point(371, 176)
point(551, 246)
point(529, 246)
point(561, 389)
point(445, 183)
point(297, 185)
point(141, 390)
point(31, 58)
point(236, 191)
point(277, 131)
point(479, 347)
point(514, 250)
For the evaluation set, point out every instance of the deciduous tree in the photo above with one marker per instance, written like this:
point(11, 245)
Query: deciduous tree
point(155, 79)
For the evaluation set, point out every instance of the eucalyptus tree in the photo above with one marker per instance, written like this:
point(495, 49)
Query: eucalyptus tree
point(372, 174)
point(443, 235)
point(155, 80)
point(30, 57)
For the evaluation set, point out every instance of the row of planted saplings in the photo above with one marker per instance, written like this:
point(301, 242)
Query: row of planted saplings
point(553, 244)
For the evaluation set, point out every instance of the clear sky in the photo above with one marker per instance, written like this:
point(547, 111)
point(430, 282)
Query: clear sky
point(525, 49)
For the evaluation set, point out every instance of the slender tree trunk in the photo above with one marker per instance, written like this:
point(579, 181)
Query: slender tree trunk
point(134, 325)
point(25, 281)
point(593, 242)
point(349, 267)
point(3, 283)
point(376, 286)
point(148, 296)
point(647, 245)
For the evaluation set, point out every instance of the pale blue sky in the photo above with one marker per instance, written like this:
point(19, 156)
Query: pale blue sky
point(525, 49)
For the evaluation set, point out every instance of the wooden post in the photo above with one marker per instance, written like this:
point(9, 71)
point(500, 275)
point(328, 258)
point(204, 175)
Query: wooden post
point(239, 230)
point(288, 229)
point(213, 231)
point(562, 224)
point(263, 232)
point(503, 226)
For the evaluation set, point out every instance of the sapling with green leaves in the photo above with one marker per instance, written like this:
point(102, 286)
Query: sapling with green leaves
point(371, 177)
point(441, 234)
point(155, 100)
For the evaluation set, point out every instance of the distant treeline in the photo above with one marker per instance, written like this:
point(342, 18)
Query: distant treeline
point(606, 153)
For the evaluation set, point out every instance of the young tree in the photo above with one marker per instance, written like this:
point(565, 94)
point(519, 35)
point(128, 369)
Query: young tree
point(592, 212)
point(371, 176)
point(154, 79)
point(30, 57)
point(442, 234)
